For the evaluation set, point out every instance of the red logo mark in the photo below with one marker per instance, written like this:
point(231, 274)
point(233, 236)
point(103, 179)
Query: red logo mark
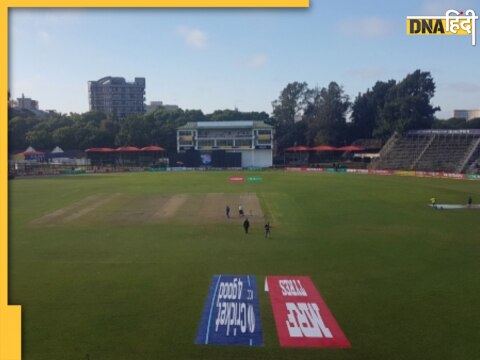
point(237, 179)
point(301, 316)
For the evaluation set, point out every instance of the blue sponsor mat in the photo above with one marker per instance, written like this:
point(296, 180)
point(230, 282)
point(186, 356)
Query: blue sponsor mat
point(231, 315)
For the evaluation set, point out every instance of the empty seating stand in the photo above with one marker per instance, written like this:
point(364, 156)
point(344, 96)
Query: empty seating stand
point(431, 150)
point(402, 153)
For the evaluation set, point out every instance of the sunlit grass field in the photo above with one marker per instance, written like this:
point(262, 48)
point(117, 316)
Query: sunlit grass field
point(401, 279)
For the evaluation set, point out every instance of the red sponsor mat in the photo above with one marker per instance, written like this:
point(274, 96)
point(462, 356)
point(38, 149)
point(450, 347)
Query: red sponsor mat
point(237, 179)
point(301, 316)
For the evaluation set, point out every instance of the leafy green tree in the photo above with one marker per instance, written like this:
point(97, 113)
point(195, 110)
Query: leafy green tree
point(289, 109)
point(366, 109)
point(291, 104)
point(407, 105)
point(326, 116)
point(165, 125)
point(111, 126)
point(91, 118)
point(183, 116)
point(473, 124)
point(452, 123)
point(17, 130)
point(82, 135)
point(58, 121)
point(98, 138)
point(227, 115)
point(65, 137)
point(39, 139)
point(136, 130)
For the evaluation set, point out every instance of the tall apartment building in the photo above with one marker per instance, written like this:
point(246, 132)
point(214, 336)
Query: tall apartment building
point(115, 96)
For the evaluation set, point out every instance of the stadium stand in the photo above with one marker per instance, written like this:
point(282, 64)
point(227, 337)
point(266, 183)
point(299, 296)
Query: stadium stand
point(473, 165)
point(400, 152)
point(431, 150)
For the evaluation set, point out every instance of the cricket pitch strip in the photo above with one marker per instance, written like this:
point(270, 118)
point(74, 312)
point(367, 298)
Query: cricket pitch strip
point(125, 208)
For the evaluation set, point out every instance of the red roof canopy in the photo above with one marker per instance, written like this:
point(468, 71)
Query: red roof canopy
point(127, 149)
point(104, 150)
point(298, 148)
point(324, 148)
point(351, 148)
point(152, 148)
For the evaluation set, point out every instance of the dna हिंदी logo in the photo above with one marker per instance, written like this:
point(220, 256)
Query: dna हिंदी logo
point(453, 23)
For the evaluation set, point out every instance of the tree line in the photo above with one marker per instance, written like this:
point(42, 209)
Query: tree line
point(96, 129)
point(301, 116)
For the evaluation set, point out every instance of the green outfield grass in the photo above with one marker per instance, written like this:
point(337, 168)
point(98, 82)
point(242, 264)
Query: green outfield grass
point(401, 279)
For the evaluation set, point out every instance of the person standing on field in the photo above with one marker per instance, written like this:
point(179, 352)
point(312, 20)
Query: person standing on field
point(227, 211)
point(267, 230)
point(246, 225)
point(240, 210)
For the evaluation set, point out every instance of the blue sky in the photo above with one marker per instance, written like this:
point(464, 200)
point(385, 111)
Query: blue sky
point(212, 59)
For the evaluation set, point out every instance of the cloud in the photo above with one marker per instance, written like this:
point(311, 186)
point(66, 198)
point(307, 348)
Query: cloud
point(464, 87)
point(367, 27)
point(257, 60)
point(194, 38)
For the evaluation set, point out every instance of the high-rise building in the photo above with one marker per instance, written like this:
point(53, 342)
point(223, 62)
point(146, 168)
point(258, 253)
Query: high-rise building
point(115, 96)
